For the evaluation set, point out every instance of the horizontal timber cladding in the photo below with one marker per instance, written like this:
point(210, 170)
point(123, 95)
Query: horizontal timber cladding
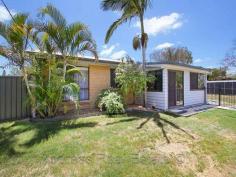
point(13, 98)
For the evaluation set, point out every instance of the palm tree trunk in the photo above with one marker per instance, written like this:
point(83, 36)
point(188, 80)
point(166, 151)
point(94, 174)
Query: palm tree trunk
point(64, 67)
point(32, 100)
point(143, 57)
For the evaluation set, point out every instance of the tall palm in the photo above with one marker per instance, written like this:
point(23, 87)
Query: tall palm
point(69, 39)
point(18, 38)
point(129, 9)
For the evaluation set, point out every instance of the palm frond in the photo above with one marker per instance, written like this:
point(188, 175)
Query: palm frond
point(75, 70)
point(3, 30)
point(71, 88)
point(124, 18)
point(114, 5)
point(54, 14)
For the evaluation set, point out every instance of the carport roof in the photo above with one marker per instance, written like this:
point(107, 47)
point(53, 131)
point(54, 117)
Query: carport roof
point(150, 64)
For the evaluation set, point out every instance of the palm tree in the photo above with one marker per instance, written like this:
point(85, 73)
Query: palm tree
point(130, 9)
point(18, 38)
point(69, 39)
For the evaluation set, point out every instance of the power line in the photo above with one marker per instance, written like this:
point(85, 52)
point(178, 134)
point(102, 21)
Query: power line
point(4, 4)
point(8, 10)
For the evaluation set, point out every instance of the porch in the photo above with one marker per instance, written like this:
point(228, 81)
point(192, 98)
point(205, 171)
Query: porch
point(190, 110)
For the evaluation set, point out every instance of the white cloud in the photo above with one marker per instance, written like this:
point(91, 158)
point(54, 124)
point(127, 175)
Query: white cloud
point(106, 51)
point(4, 15)
point(119, 54)
point(156, 25)
point(164, 45)
point(111, 52)
point(197, 60)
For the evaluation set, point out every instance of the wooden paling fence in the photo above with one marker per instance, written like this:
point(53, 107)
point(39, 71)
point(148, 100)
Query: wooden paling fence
point(13, 98)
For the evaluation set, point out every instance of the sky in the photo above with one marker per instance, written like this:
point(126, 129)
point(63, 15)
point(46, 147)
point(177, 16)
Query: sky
point(206, 27)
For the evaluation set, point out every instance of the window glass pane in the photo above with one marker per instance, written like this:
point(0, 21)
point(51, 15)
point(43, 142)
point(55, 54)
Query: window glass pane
point(193, 81)
point(201, 79)
point(112, 78)
point(82, 80)
point(156, 85)
point(197, 81)
point(84, 94)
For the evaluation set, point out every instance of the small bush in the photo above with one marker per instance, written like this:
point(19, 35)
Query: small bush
point(111, 102)
point(104, 93)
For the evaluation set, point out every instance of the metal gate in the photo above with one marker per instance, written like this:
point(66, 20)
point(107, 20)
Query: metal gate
point(222, 93)
point(13, 98)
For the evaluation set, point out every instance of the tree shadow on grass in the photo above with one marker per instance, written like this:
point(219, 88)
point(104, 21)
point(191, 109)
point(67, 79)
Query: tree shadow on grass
point(42, 132)
point(160, 122)
point(122, 120)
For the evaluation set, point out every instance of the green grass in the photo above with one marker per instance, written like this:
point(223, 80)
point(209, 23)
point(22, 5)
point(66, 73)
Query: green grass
point(127, 145)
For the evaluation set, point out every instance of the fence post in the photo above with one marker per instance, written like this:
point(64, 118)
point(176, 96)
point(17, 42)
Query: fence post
point(219, 96)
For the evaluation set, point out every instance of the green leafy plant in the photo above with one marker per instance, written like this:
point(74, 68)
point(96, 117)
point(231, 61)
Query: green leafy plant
point(131, 79)
point(48, 90)
point(110, 101)
point(104, 93)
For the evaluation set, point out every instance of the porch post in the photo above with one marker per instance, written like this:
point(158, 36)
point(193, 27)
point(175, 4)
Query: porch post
point(165, 87)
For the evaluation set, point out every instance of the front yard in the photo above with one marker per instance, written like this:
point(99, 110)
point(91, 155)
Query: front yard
point(130, 145)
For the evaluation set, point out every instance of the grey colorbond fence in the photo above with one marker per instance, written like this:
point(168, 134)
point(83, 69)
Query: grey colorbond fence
point(13, 98)
point(222, 93)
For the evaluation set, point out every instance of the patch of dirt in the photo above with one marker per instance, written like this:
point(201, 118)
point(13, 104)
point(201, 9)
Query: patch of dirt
point(187, 161)
point(229, 170)
point(227, 134)
point(173, 149)
point(211, 170)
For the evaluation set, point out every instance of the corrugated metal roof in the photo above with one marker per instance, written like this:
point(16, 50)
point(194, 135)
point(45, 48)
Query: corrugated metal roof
point(84, 58)
point(177, 64)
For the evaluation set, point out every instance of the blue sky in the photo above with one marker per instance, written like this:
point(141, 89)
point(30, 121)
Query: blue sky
point(206, 27)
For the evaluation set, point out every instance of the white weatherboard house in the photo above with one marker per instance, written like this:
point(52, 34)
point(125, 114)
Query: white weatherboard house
point(176, 85)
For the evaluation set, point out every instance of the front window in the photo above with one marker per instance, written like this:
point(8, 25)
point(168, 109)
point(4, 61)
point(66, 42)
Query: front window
point(197, 81)
point(83, 80)
point(156, 85)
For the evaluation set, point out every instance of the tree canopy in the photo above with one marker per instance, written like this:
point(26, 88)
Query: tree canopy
point(173, 54)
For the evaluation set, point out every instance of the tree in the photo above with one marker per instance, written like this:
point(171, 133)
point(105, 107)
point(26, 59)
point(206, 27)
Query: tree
point(230, 58)
point(48, 83)
point(18, 38)
point(173, 54)
point(68, 39)
point(130, 78)
point(130, 9)
point(218, 74)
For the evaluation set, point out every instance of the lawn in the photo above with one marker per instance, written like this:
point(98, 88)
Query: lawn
point(139, 144)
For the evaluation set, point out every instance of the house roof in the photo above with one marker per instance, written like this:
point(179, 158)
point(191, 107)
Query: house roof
point(150, 64)
point(85, 58)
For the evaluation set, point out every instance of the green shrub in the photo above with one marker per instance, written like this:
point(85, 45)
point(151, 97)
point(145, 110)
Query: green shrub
point(104, 93)
point(111, 102)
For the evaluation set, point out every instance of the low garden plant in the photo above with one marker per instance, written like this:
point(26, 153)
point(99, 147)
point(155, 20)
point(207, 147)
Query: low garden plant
point(111, 102)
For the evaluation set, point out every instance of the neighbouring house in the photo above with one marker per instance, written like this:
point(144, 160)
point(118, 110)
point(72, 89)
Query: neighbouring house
point(176, 85)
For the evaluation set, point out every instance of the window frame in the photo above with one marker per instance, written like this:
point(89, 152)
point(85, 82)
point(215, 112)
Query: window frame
point(190, 81)
point(155, 90)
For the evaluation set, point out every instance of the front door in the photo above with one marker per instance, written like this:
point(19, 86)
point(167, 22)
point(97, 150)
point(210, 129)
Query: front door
point(175, 88)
